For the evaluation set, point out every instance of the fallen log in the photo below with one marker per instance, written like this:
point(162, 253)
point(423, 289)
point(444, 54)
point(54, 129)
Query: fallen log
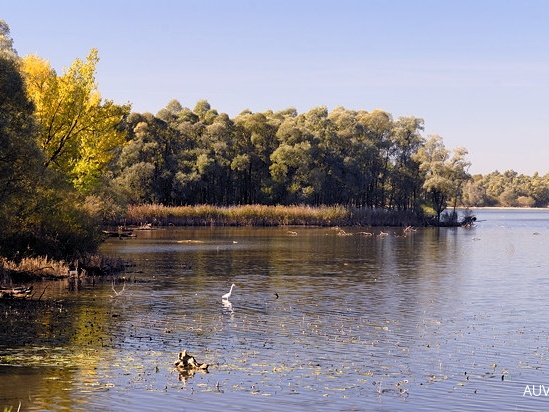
point(21, 292)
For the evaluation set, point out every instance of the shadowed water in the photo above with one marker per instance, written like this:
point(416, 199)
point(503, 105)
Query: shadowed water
point(317, 320)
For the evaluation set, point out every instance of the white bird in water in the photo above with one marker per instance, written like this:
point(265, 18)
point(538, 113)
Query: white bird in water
point(226, 296)
point(227, 306)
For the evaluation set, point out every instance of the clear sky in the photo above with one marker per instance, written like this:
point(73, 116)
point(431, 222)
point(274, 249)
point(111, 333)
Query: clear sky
point(477, 71)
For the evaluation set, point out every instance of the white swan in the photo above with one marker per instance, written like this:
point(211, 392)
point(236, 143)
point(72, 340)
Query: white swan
point(226, 296)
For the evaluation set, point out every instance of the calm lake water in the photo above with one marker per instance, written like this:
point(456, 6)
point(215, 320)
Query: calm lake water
point(448, 317)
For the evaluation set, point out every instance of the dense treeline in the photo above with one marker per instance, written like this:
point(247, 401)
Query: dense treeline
point(358, 158)
point(70, 159)
point(363, 159)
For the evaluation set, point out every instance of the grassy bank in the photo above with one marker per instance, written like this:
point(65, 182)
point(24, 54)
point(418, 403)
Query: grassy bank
point(262, 215)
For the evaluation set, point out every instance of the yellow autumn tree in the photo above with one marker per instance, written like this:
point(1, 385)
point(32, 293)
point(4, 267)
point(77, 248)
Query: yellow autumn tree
point(79, 131)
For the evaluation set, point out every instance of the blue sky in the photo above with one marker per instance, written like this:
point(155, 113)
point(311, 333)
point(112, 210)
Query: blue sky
point(477, 71)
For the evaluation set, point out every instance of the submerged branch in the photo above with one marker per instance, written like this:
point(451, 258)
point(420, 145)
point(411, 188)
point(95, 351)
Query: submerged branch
point(116, 294)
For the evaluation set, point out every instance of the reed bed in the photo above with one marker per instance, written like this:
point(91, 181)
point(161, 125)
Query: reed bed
point(43, 267)
point(40, 267)
point(263, 215)
point(245, 215)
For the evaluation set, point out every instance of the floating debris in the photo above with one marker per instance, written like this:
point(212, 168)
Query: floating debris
point(120, 232)
point(187, 363)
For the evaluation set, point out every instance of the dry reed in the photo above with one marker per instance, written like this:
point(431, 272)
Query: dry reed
point(43, 267)
point(263, 215)
point(36, 267)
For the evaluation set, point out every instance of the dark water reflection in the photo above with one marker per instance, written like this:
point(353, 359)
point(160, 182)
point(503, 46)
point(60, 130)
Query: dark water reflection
point(439, 317)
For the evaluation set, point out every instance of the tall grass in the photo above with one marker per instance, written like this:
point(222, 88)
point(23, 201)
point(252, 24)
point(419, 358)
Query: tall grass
point(263, 215)
point(246, 215)
point(35, 267)
point(44, 267)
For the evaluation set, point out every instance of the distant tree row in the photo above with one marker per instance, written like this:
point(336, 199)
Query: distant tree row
point(508, 189)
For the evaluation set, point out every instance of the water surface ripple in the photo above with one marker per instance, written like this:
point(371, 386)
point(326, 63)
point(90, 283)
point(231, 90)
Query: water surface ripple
point(448, 317)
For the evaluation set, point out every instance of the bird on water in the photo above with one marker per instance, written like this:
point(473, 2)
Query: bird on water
point(226, 296)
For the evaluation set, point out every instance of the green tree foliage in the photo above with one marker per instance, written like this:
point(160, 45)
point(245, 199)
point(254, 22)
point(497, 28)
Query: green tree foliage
point(7, 50)
point(292, 161)
point(196, 156)
point(144, 165)
point(256, 141)
point(18, 148)
point(404, 173)
point(444, 176)
point(19, 155)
